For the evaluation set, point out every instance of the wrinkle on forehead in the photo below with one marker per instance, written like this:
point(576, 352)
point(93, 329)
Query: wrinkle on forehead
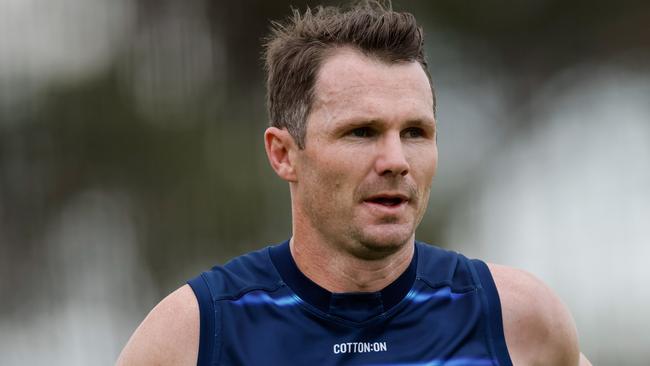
point(355, 103)
point(352, 83)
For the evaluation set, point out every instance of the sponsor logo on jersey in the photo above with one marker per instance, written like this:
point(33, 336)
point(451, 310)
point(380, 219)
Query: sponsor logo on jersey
point(360, 347)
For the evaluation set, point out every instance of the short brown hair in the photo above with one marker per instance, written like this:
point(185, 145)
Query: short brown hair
point(296, 48)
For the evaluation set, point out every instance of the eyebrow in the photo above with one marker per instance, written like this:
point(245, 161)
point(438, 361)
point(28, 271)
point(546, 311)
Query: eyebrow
point(424, 123)
point(355, 122)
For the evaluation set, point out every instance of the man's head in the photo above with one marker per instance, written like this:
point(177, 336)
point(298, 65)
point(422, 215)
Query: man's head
point(296, 50)
point(360, 179)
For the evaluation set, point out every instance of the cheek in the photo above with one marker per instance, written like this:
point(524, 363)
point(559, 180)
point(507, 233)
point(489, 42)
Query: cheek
point(425, 165)
point(432, 162)
point(434, 167)
point(326, 181)
point(337, 172)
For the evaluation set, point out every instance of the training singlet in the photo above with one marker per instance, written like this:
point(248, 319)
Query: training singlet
point(259, 309)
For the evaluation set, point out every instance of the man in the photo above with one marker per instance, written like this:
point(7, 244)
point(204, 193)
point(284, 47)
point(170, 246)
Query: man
point(353, 131)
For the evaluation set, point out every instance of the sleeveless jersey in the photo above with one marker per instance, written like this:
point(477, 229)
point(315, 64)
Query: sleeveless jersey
point(259, 309)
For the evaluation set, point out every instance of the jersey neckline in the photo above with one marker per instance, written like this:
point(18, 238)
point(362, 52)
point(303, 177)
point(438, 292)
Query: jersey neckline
point(352, 306)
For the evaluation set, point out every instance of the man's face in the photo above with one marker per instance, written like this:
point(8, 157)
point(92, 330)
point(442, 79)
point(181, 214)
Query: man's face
point(364, 177)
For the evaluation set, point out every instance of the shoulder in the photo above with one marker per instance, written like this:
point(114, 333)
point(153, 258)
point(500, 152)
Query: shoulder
point(169, 335)
point(538, 327)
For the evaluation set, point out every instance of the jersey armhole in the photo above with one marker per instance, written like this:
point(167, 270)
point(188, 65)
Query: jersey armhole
point(482, 273)
point(207, 313)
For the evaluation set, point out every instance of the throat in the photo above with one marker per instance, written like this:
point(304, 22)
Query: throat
point(357, 300)
point(342, 272)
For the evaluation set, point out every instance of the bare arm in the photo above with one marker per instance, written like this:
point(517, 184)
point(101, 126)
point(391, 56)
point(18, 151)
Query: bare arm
point(538, 327)
point(169, 335)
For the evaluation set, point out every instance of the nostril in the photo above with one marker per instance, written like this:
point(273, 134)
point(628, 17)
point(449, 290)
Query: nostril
point(395, 170)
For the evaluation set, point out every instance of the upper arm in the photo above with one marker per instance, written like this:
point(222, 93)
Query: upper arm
point(169, 335)
point(538, 327)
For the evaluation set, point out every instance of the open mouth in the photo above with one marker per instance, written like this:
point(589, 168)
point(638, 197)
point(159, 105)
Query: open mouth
point(388, 201)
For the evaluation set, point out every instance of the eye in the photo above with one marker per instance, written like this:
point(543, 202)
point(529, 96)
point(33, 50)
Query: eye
point(362, 132)
point(413, 132)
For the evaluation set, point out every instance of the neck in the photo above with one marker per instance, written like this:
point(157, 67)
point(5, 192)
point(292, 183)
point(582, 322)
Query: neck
point(339, 271)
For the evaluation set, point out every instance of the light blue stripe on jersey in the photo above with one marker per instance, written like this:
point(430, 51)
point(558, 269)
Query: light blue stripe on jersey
point(439, 294)
point(262, 298)
point(451, 362)
point(259, 309)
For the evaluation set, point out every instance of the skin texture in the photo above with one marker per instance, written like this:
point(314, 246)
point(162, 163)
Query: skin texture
point(169, 335)
point(538, 327)
point(370, 133)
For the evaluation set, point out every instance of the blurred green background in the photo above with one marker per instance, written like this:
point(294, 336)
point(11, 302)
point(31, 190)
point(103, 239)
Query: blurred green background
point(131, 158)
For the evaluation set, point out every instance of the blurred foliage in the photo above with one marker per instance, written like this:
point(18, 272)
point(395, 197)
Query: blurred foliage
point(196, 170)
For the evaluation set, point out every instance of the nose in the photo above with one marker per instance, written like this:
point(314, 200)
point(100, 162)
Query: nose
point(391, 160)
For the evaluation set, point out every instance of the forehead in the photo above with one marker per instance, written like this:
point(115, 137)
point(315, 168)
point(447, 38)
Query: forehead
point(350, 84)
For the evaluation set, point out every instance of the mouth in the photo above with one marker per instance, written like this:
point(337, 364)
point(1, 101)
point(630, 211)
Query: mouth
point(387, 200)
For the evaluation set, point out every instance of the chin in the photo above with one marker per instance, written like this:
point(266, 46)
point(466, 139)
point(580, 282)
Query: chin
point(381, 243)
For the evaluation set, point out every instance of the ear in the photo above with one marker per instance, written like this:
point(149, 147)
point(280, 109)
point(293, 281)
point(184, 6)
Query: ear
point(280, 148)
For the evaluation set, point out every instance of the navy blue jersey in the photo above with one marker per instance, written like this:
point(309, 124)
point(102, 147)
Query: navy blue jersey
point(259, 309)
